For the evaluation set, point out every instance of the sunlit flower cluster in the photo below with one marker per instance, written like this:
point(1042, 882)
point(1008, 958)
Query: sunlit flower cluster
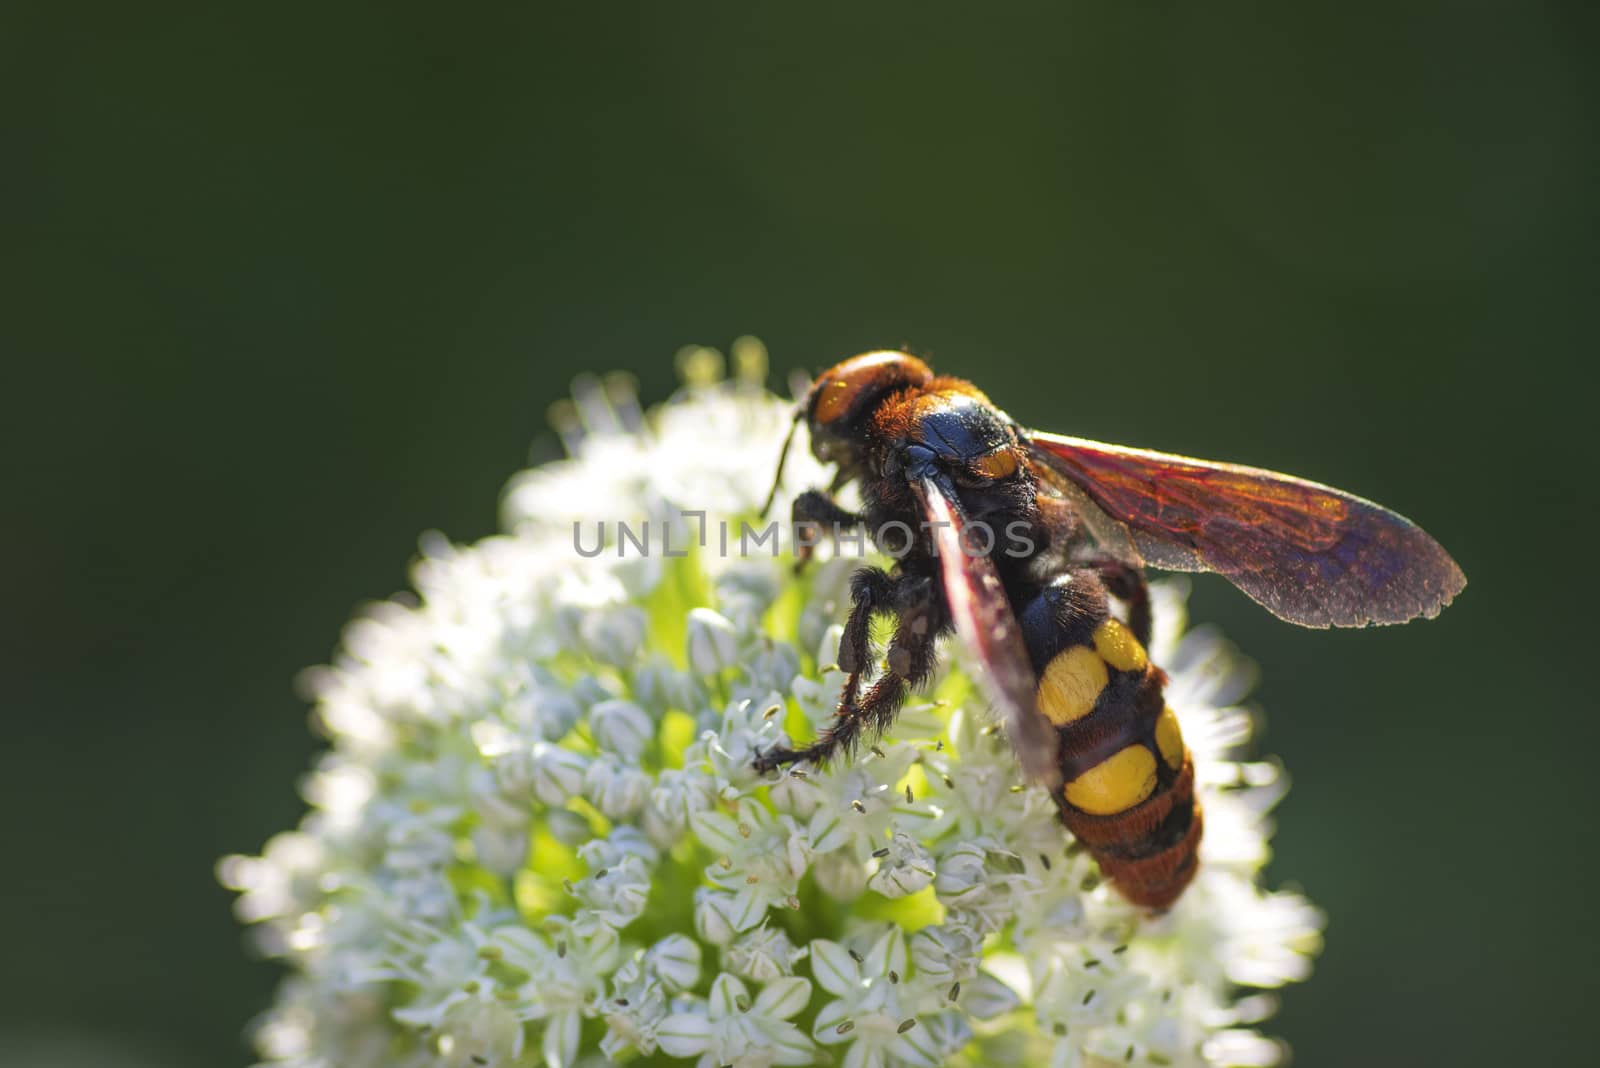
point(537, 835)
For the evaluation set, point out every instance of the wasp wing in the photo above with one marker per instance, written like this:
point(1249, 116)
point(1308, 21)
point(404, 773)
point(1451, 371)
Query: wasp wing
point(1309, 553)
point(985, 622)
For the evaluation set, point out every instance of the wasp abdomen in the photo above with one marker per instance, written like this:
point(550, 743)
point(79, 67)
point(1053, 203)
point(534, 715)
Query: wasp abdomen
point(1127, 781)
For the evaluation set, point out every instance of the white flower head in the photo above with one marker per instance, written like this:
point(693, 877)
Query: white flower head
point(539, 834)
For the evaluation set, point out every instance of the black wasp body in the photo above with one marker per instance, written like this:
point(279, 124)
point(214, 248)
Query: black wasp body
point(947, 490)
point(1019, 541)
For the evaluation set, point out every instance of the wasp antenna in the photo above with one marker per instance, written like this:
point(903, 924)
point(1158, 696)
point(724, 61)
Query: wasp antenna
point(783, 456)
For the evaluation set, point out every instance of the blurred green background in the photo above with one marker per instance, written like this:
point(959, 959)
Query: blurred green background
point(287, 285)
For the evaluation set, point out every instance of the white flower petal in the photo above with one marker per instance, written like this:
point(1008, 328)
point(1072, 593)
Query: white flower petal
point(986, 997)
point(790, 1046)
point(833, 1025)
point(560, 1043)
point(862, 1055)
point(718, 831)
point(783, 998)
point(728, 997)
point(916, 1047)
point(888, 953)
point(684, 1034)
point(834, 969)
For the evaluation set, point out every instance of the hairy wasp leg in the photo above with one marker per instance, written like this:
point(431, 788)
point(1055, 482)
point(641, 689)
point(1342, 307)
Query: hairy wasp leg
point(815, 512)
point(910, 661)
point(872, 590)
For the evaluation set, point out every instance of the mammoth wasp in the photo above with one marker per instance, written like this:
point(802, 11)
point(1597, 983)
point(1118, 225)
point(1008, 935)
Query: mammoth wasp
point(1082, 704)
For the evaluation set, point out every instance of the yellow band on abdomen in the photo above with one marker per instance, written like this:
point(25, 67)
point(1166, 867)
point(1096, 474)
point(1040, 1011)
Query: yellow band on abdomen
point(1073, 679)
point(1169, 738)
point(1118, 647)
point(1114, 785)
point(1071, 684)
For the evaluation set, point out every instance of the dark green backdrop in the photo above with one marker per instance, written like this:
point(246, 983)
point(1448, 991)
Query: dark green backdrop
point(288, 285)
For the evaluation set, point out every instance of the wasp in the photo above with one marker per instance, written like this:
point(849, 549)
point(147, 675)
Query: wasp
point(1019, 542)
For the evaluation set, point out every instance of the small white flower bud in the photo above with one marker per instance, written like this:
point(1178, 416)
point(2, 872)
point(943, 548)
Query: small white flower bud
point(796, 796)
point(590, 690)
point(617, 789)
point(502, 850)
point(568, 827)
point(622, 727)
point(963, 877)
point(553, 712)
point(771, 666)
point(711, 916)
point(501, 837)
point(761, 955)
point(659, 686)
point(945, 953)
point(614, 849)
point(612, 897)
point(513, 771)
point(713, 642)
point(557, 773)
point(679, 793)
point(614, 635)
point(906, 870)
point(745, 591)
point(675, 960)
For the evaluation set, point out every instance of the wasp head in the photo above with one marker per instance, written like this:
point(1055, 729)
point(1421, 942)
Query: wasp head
point(839, 409)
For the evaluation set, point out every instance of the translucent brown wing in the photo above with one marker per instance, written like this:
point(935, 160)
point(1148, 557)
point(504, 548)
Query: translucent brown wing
point(984, 621)
point(1311, 554)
